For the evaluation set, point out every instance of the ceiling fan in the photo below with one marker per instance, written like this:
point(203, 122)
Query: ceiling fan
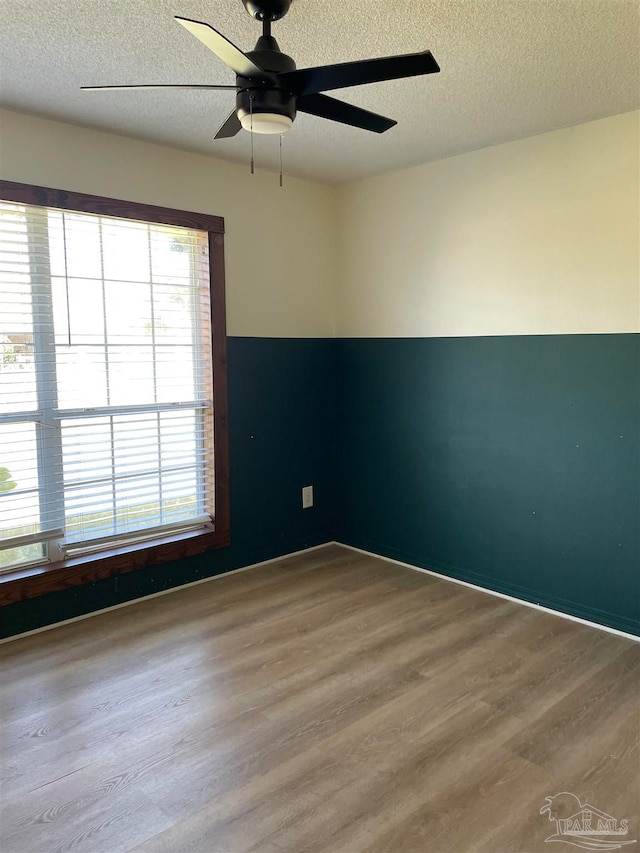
point(269, 89)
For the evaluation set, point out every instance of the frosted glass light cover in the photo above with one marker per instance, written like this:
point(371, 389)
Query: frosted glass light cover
point(266, 123)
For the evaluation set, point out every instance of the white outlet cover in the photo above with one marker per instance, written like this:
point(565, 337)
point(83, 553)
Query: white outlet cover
point(307, 497)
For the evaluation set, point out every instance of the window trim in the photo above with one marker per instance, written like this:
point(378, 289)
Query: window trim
point(34, 581)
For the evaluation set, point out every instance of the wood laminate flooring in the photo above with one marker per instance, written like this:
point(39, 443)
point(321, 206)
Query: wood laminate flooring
point(326, 703)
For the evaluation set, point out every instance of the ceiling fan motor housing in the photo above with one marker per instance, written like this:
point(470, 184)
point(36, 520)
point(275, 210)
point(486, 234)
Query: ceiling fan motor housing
point(268, 56)
point(263, 95)
point(260, 99)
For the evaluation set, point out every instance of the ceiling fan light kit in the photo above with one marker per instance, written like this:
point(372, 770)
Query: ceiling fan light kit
point(266, 123)
point(270, 91)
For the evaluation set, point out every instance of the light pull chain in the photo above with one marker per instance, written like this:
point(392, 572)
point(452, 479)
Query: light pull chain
point(251, 128)
point(280, 137)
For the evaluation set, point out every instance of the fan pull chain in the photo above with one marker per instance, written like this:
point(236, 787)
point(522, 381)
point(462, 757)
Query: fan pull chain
point(280, 138)
point(251, 129)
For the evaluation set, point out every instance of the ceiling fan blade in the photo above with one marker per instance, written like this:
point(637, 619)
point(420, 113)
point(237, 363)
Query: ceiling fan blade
point(151, 87)
point(222, 47)
point(229, 127)
point(307, 81)
point(326, 107)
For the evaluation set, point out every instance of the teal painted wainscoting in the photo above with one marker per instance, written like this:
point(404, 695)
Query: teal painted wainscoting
point(508, 462)
point(281, 422)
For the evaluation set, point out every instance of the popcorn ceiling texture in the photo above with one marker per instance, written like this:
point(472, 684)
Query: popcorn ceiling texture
point(510, 68)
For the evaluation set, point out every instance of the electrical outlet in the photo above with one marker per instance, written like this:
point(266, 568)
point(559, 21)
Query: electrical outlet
point(307, 497)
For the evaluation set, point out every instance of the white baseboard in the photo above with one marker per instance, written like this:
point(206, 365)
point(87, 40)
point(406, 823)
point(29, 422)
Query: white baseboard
point(162, 592)
point(473, 586)
point(541, 607)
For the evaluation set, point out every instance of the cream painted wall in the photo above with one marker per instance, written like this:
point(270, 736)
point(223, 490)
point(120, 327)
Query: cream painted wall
point(280, 243)
point(538, 236)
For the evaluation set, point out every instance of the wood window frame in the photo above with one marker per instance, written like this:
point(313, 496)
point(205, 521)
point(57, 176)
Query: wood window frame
point(35, 581)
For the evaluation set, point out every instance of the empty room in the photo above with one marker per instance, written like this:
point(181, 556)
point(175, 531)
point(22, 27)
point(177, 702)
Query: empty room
point(319, 426)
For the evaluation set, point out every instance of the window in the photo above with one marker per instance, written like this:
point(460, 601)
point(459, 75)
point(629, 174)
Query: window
point(112, 407)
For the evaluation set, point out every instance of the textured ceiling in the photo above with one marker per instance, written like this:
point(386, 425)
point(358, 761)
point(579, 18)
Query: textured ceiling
point(510, 68)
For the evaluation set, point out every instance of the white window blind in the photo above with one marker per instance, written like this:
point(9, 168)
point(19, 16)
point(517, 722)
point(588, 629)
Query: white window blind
point(106, 413)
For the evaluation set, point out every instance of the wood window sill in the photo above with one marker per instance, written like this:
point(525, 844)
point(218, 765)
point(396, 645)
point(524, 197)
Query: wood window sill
point(35, 581)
